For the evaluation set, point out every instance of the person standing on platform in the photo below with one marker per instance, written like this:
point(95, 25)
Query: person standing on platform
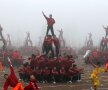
point(48, 45)
point(50, 23)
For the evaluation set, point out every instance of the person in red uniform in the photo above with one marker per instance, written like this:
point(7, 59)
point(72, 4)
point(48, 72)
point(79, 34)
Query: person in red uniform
point(46, 74)
point(50, 22)
point(33, 61)
point(45, 46)
point(32, 85)
point(38, 74)
point(70, 74)
point(16, 56)
point(55, 75)
point(48, 45)
point(76, 73)
point(57, 45)
point(26, 73)
point(106, 66)
point(11, 80)
point(95, 54)
point(63, 74)
point(21, 72)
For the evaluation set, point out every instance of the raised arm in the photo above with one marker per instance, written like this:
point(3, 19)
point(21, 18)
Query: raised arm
point(12, 73)
point(11, 67)
point(44, 15)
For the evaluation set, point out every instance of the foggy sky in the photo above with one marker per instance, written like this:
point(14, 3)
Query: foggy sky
point(76, 17)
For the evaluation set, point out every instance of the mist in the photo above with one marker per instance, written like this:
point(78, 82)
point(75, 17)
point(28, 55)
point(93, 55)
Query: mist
point(77, 18)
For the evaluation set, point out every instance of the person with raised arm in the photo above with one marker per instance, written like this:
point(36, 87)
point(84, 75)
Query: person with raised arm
point(12, 80)
point(106, 30)
point(50, 23)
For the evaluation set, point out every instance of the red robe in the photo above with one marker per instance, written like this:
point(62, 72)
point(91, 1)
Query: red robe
point(12, 80)
point(32, 86)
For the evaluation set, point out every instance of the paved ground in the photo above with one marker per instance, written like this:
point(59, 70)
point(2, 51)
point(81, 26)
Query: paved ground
point(85, 83)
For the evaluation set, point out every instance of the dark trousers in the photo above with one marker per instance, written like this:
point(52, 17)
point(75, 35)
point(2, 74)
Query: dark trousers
point(50, 28)
point(57, 50)
point(63, 78)
point(21, 76)
point(55, 78)
point(102, 47)
point(76, 77)
point(39, 77)
point(26, 77)
point(49, 48)
point(47, 78)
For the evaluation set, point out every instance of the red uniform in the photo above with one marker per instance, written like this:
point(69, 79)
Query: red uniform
point(54, 72)
point(56, 42)
point(70, 71)
point(32, 86)
point(27, 70)
point(12, 80)
point(46, 72)
point(76, 71)
point(48, 41)
point(62, 72)
point(50, 21)
point(95, 54)
point(16, 55)
point(38, 72)
point(33, 63)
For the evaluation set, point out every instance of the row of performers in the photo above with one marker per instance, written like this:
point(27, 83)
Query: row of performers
point(15, 54)
point(42, 61)
point(56, 70)
point(96, 55)
point(48, 75)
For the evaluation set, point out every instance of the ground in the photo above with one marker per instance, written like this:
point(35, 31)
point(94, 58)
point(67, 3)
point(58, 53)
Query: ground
point(85, 83)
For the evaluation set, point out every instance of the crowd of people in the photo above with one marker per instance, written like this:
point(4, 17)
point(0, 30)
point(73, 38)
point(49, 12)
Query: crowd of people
point(96, 56)
point(51, 67)
point(50, 70)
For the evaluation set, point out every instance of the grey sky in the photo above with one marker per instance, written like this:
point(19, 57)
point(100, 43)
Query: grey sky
point(76, 17)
